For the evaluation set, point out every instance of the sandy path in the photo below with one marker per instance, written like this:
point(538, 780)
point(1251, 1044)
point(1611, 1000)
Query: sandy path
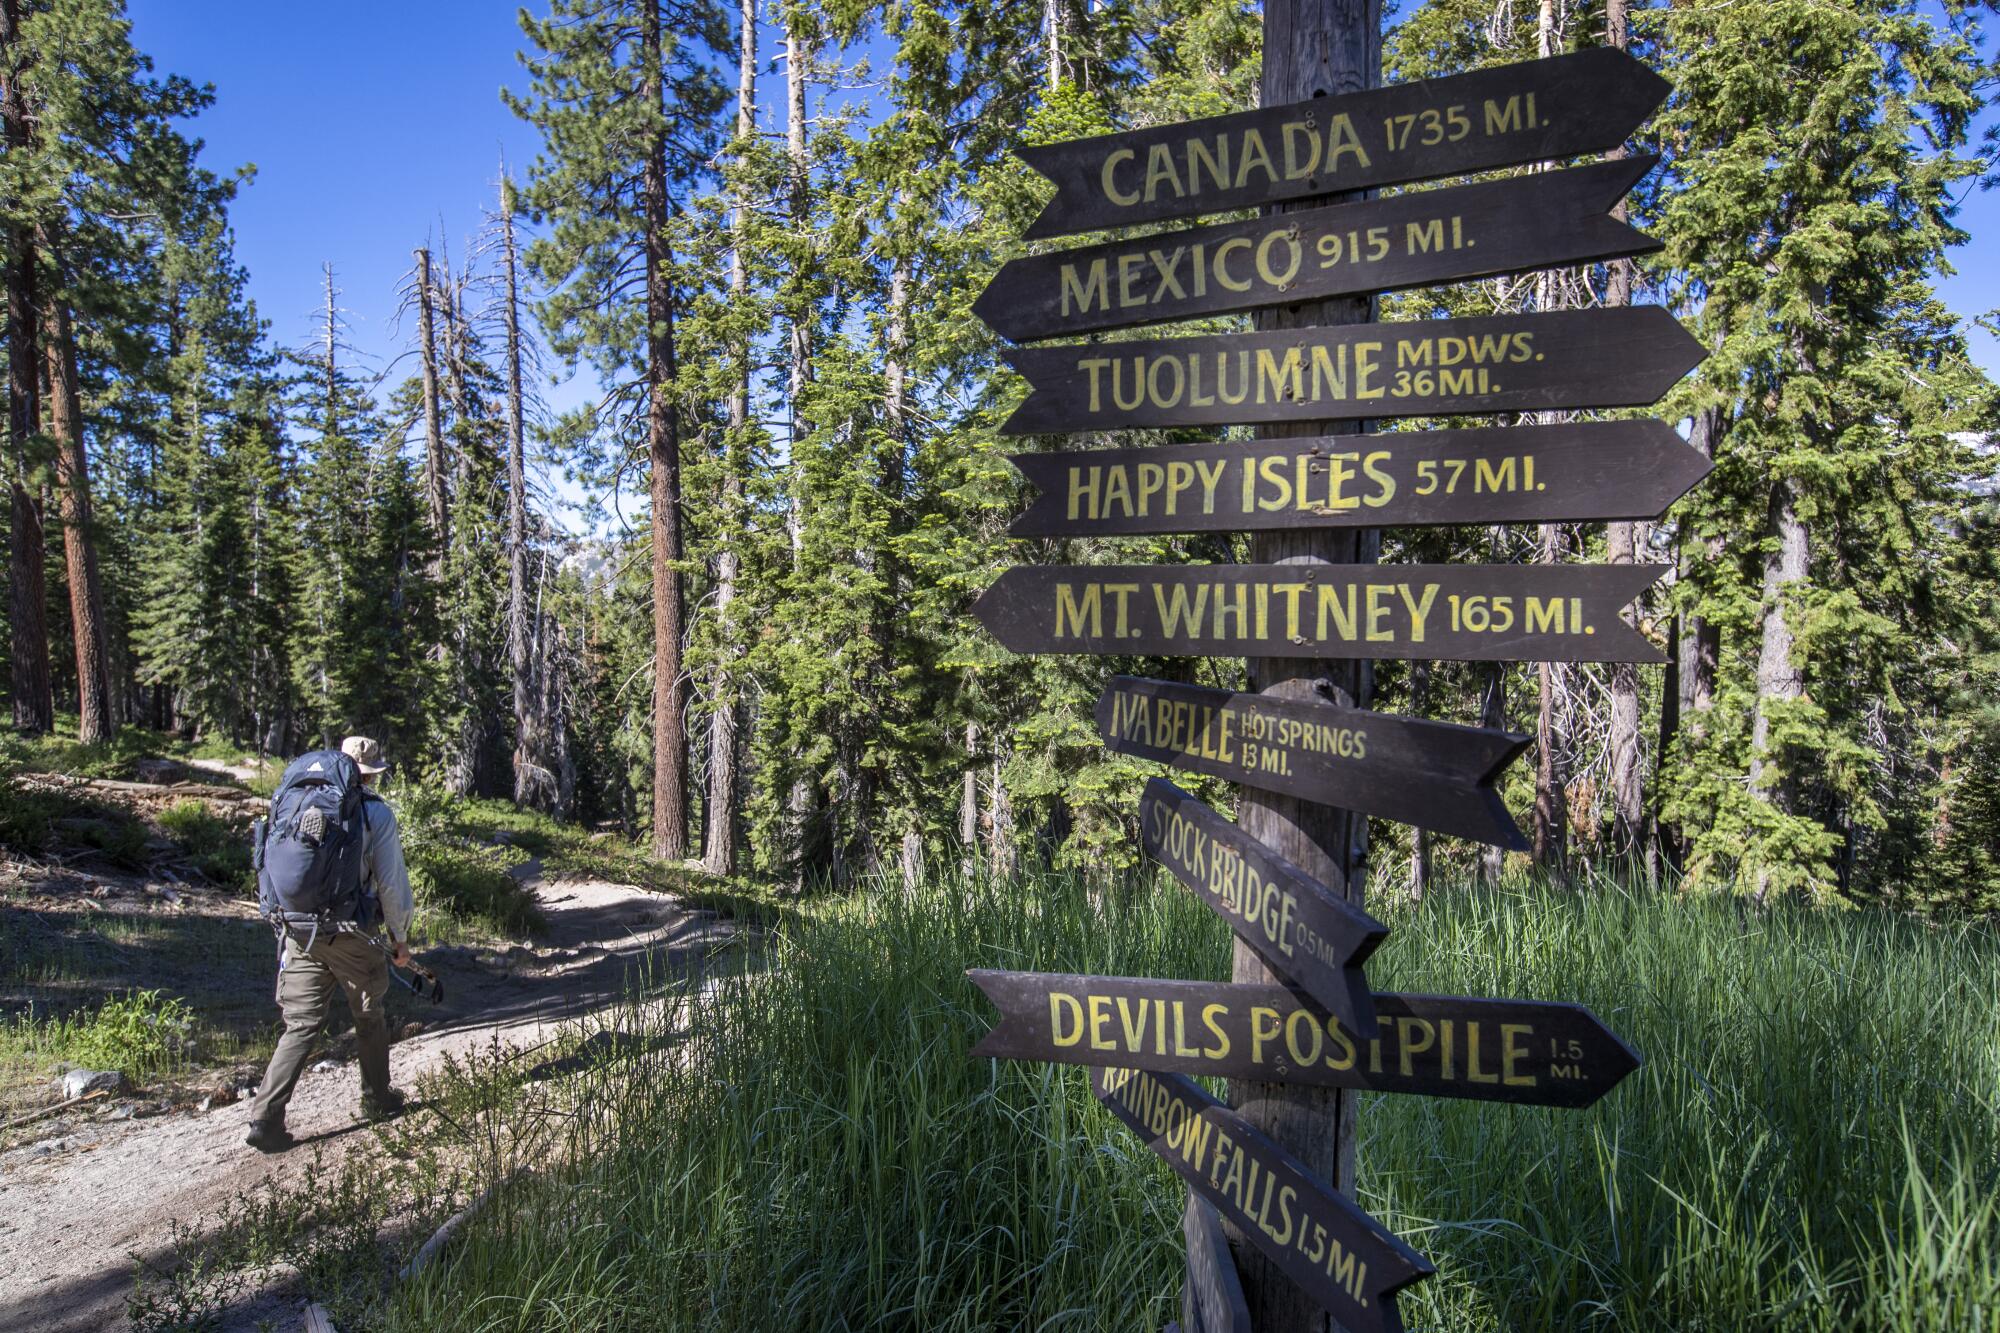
point(72, 1216)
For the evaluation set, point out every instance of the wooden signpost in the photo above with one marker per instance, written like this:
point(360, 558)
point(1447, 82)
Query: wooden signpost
point(1434, 775)
point(1534, 111)
point(1212, 1301)
point(1625, 357)
point(1496, 474)
point(1503, 613)
point(1286, 915)
point(1332, 1249)
point(1523, 1051)
point(1299, 1029)
point(1407, 240)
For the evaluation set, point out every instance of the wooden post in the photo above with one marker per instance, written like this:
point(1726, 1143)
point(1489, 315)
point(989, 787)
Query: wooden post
point(1312, 48)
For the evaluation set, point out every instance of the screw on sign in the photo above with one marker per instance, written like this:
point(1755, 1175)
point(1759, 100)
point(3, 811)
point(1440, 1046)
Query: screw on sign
point(1504, 613)
point(1434, 775)
point(1296, 923)
point(1625, 357)
point(1534, 111)
point(1339, 1255)
point(1527, 1052)
point(1409, 240)
point(1495, 474)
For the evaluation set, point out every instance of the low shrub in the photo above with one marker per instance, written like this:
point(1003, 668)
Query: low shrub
point(459, 884)
point(144, 1034)
point(219, 850)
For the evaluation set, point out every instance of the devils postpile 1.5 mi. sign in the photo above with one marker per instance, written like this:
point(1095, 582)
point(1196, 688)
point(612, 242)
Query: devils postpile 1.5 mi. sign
point(1409, 240)
point(1505, 613)
point(1522, 1051)
point(1339, 1255)
point(1432, 775)
point(1496, 474)
point(1294, 922)
point(1534, 111)
point(1623, 357)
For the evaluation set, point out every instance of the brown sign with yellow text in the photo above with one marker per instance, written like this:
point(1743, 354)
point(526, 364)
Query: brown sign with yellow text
point(1522, 1051)
point(1434, 775)
point(1534, 111)
point(1495, 474)
point(1293, 921)
point(1341, 1256)
point(1624, 357)
point(1506, 613)
point(1408, 240)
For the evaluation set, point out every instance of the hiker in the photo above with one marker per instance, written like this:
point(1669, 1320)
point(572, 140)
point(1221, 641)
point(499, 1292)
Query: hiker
point(329, 863)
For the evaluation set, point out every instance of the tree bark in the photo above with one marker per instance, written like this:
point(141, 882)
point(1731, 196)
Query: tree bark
point(1779, 679)
point(664, 450)
point(999, 823)
point(1700, 646)
point(1622, 541)
point(968, 805)
point(435, 497)
point(798, 181)
point(535, 780)
point(1312, 48)
point(719, 844)
point(33, 697)
point(798, 169)
point(96, 715)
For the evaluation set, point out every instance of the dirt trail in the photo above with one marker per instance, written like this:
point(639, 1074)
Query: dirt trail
point(75, 1208)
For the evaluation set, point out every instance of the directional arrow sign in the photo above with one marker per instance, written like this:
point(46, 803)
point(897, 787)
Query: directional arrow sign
point(1522, 1051)
point(1623, 357)
point(1339, 1255)
point(1504, 613)
point(1497, 474)
point(1531, 112)
point(1212, 1301)
point(1294, 922)
point(1502, 226)
point(1434, 775)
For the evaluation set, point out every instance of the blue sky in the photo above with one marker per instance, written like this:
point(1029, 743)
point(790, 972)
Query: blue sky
point(377, 126)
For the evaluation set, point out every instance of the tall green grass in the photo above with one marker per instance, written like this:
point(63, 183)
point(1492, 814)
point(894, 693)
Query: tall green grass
point(1812, 1143)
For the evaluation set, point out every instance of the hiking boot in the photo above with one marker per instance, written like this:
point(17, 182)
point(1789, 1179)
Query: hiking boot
point(384, 1106)
point(269, 1136)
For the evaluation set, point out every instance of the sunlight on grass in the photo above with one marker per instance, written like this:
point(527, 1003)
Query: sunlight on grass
point(1810, 1145)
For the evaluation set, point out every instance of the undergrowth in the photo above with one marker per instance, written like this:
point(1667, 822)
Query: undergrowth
point(145, 1034)
point(1811, 1144)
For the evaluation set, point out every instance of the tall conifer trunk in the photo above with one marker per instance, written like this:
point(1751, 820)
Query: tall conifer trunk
point(968, 805)
point(1622, 542)
point(798, 169)
point(1779, 679)
point(1550, 818)
point(798, 184)
point(33, 698)
point(663, 447)
point(534, 779)
point(719, 843)
point(96, 716)
point(434, 463)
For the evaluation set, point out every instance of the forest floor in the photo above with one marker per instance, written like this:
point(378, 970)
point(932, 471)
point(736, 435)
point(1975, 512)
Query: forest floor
point(89, 1193)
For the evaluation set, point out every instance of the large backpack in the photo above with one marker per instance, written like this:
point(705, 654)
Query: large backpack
point(309, 852)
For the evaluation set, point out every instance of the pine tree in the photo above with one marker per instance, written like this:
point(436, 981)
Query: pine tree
point(628, 105)
point(1809, 205)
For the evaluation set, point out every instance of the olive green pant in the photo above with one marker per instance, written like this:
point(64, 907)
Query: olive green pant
point(306, 983)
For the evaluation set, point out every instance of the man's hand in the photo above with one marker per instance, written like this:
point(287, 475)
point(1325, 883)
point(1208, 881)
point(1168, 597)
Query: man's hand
point(402, 958)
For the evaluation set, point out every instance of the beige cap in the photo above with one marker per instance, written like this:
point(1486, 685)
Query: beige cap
point(366, 754)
